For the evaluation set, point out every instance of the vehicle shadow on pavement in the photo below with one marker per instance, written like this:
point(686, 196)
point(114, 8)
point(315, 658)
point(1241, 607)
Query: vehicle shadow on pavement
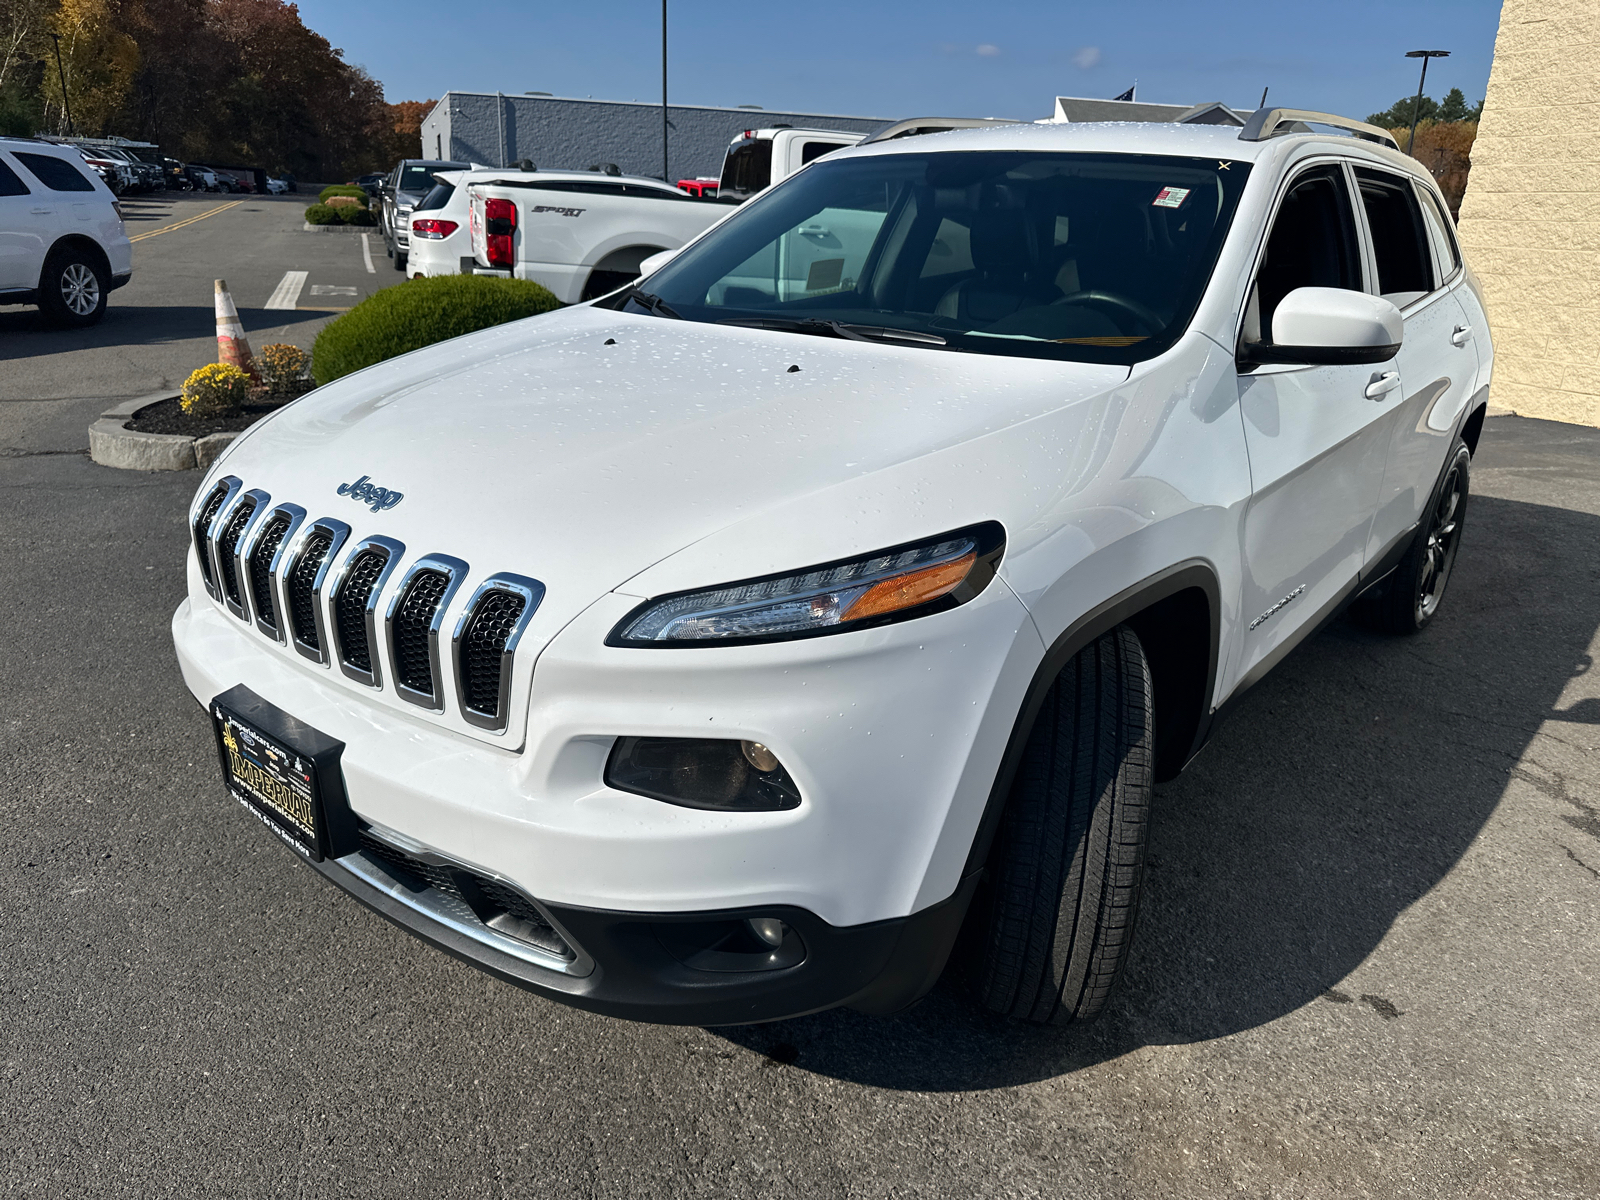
point(27, 332)
point(1342, 790)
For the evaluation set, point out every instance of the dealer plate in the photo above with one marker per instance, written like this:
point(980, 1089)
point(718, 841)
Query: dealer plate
point(275, 782)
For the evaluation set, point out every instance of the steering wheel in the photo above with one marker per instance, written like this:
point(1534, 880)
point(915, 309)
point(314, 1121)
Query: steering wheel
point(1094, 297)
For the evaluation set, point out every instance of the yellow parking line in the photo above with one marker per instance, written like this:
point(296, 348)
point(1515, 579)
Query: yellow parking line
point(210, 212)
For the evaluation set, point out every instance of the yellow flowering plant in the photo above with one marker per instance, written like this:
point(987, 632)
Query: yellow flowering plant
point(214, 390)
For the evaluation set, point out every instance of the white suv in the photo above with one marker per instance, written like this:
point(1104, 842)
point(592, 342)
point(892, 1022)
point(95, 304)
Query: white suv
point(62, 241)
point(702, 654)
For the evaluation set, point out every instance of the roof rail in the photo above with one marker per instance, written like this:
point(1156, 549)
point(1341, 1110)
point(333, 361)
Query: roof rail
point(918, 125)
point(1267, 122)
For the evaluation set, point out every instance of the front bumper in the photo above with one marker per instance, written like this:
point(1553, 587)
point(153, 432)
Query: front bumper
point(892, 734)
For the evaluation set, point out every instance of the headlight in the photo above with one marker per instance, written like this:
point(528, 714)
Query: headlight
point(891, 585)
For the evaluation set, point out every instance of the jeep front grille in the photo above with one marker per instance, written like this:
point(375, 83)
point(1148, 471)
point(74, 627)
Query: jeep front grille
point(485, 643)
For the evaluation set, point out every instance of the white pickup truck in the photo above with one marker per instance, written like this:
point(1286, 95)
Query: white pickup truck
point(580, 233)
point(759, 158)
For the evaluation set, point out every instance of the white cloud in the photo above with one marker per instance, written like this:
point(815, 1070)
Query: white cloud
point(1088, 56)
point(988, 51)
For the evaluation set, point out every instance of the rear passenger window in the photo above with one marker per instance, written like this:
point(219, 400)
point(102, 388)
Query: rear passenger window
point(810, 151)
point(55, 173)
point(10, 185)
point(1441, 230)
point(1399, 240)
point(1312, 244)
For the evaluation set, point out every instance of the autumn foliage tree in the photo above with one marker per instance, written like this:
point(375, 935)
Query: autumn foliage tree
point(228, 81)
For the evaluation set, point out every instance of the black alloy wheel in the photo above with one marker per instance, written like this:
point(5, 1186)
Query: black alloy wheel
point(1410, 597)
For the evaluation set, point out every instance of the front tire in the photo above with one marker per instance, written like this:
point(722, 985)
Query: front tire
point(72, 289)
point(1068, 862)
point(1410, 597)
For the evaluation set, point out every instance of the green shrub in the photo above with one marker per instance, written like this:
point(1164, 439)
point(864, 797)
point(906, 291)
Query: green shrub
point(321, 214)
point(352, 215)
point(343, 189)
point(419, 313)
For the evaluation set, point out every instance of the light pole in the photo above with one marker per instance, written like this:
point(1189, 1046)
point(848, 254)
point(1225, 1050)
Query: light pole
point(665, 177)
point(61, 71)
point(1416, 109)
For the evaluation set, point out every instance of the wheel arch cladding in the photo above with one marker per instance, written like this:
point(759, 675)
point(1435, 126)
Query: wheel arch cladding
point(1473, 426)
point(1177, 615)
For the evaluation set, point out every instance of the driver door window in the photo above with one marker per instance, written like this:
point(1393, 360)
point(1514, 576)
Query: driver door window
point(1313, 244)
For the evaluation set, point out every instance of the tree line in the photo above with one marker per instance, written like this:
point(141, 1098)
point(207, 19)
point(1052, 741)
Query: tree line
point(227, 81)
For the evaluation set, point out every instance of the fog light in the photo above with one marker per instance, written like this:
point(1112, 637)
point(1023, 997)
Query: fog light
point(717, 773)
point(769, 929)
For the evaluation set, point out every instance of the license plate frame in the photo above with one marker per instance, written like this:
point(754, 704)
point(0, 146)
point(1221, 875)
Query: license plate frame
point(284, 773)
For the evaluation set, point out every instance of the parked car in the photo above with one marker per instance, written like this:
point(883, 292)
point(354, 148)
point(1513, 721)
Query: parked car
point(440, 242)
point(113, 172)
point(276, 186)
point(294, 184)
point(579, 233)
point(877, 553)
point(226, 181)
point(63, 246)
point(410, 181)
point(202, 179)
point(371, 183)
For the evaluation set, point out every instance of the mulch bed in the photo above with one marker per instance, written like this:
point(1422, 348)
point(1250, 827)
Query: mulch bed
point(166, 416)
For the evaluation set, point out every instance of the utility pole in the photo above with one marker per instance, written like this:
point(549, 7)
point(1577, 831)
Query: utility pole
point(1416, 109)
point(61, 71)
point(665, 175)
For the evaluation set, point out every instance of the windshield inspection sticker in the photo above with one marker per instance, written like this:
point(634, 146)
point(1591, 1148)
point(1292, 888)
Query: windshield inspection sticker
point(1170, 197)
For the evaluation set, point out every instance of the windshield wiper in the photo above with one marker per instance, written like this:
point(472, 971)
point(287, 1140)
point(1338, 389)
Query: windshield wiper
point(840, 329)
point(655, 304)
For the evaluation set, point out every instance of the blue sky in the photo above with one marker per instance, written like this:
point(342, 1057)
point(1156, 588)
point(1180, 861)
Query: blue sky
point(933, 57)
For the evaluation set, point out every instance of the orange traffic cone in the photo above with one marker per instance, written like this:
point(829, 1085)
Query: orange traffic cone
point(232, 347)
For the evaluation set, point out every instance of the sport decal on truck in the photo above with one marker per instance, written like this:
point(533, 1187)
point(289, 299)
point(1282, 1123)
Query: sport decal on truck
point(560, 212)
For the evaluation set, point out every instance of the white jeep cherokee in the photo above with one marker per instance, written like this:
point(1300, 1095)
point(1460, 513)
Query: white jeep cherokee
point(702, 654)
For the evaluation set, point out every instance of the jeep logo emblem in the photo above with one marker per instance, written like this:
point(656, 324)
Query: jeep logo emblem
point(368, 493)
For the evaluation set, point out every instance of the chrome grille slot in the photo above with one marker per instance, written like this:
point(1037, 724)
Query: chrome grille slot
point(355, 604)
point(260, 564)
point(486, 645)
point(228, 547)
point(415, 616)
point(418, 606)
point(350, 606)
point(483, 651)
point(301, 594)
point(202, 530)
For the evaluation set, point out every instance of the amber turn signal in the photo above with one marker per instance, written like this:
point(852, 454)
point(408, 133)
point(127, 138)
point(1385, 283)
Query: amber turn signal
point(911, 589)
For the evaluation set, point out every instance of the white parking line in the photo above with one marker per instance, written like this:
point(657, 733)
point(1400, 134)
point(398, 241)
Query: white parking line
point(287, 293)
point(366, 253)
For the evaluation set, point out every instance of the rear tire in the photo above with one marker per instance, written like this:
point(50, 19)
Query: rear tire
point(73, 289)
point(399, 260)
point(1406, 601)
point(1068, 862)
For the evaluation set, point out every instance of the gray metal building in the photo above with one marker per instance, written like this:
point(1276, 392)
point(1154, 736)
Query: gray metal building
point(499, 128)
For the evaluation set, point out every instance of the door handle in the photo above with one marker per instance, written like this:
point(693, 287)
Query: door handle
point(1461, 336)
point(41, 212)
point(1382, 385)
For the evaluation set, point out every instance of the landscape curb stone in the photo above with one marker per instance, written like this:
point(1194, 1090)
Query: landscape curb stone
point(113, 444)
point(310, 228)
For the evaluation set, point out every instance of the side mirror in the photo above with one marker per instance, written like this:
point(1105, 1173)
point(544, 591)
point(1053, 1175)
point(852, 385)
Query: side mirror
point(1316, 326)
point(655, 261)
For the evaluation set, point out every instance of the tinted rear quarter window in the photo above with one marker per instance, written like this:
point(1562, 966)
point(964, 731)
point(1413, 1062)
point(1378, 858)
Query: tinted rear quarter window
point(57, 174)
point(1442, 228)
point(1399, 240)
point(10, 184)
point(438, 198)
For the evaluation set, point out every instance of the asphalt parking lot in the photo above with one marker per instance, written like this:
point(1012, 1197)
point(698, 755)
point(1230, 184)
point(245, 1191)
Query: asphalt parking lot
point(1367, 966)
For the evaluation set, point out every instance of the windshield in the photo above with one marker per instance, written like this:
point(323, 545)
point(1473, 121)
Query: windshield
point(1091, 257)
point(418, 179)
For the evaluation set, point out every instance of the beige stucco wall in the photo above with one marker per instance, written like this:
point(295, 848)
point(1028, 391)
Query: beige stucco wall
point(1530, 220)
